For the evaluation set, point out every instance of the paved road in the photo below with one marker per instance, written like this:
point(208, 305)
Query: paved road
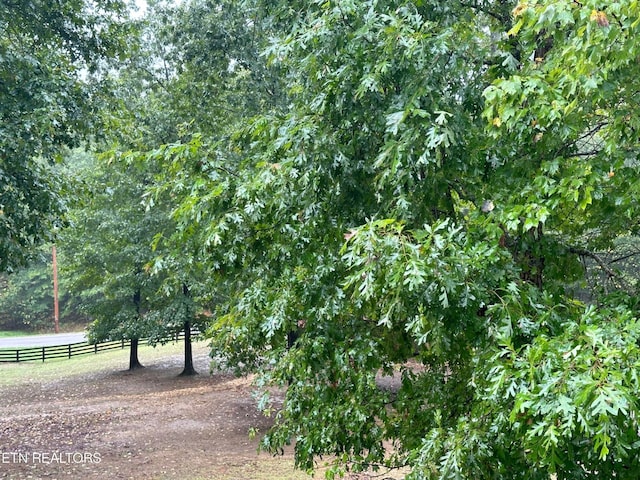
point(42, 340)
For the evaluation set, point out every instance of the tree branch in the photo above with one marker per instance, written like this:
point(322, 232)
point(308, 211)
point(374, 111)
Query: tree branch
point(583, 252)
point(624, 257)
point(503, 19)
point(589, 134)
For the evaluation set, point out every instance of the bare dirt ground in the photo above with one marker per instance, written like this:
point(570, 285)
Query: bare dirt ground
point(147, 424)
point(150, 424)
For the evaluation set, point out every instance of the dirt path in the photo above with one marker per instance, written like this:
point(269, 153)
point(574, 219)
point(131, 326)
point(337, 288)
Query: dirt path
point(150, 424)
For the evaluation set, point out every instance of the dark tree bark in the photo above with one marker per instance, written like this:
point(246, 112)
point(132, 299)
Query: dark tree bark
point(293, 335)
point(134, 363)
point(527, 251)
point(292, 338)
point(188, 351)
point(532, 259)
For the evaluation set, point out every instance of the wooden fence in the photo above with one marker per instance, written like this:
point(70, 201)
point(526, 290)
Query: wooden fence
point(27, 354)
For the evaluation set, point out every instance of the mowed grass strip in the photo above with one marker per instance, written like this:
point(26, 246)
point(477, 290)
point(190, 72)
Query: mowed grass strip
point(265, 468)
point(36, 371)
point(13, 333)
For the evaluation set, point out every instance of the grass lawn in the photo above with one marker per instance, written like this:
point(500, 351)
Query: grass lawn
point(13, 333)
point(22, 373)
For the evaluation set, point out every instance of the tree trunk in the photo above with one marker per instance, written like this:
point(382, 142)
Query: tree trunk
point(292, 337)
point(532, 258)
point(134, 363)
point(188, 353)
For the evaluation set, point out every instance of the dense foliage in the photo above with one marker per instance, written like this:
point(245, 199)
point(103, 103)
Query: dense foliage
point(429, 194)
point(43, 107)
point(418, 217)
point(26, 299)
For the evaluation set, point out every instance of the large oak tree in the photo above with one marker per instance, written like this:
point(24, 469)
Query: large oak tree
point(440, 171)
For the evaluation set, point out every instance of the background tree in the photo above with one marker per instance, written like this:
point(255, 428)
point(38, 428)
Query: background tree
point(108, 246)
point(111, 255)
point(207, 75)
point(148, 109)
point(44, 106)
point(26, 298)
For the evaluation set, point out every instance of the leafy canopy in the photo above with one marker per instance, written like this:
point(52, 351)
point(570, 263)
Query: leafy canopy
point(44, 106)
point(420, 209)
point(391, 205)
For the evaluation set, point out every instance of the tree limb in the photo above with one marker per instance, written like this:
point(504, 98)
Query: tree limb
point(583, 252)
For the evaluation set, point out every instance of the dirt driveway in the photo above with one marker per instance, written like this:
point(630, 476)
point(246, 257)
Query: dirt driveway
point(149, 424)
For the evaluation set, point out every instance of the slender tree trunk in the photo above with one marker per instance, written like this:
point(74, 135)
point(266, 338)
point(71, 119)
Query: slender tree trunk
point(134, 363)
point(532, 258)
point(188, 351)
point(292, 337)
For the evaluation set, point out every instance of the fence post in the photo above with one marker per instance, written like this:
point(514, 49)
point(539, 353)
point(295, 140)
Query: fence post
point(95, 348)
point(69, 347)
point(17, 356)
point(43, 354)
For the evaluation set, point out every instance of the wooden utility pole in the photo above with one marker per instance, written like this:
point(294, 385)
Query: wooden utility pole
point(55, 291)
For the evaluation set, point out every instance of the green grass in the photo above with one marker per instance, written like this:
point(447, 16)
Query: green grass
point(262, 469)
point(14, 333)
point(23, 373)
